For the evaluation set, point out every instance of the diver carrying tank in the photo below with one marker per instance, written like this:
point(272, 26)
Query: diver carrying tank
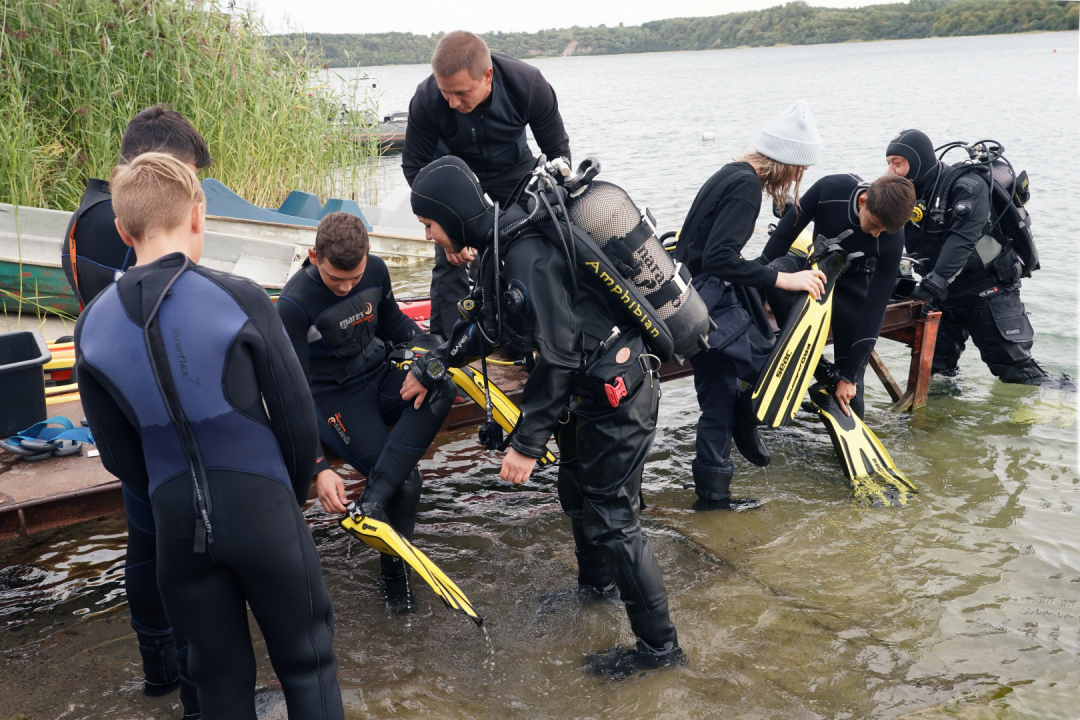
point(626, 236)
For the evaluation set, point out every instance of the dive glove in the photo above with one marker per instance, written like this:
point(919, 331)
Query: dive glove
point(932, 287)
point(432, 373)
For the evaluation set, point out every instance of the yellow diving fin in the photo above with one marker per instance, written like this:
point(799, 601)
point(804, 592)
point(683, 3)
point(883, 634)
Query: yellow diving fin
point(779, 390)
point(385, 539)
point(865, 460)
point(503, 409)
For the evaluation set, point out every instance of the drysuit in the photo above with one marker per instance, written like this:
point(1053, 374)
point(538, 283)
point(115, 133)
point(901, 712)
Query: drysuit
point(198, 403)
point(603, 435)
point(343, 344)
point(862, 293)
point(978, 292)
point(491, 140)
point(718, 226)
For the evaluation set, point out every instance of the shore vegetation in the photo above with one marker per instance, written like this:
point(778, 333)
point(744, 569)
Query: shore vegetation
point(795, 23)
point(74, 72)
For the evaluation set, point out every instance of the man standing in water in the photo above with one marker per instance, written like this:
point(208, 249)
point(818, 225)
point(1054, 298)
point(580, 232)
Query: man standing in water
point(475, 105)
point(970, 271)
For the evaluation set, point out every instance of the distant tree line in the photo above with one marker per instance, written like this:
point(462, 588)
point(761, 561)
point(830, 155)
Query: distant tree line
point(794, 24)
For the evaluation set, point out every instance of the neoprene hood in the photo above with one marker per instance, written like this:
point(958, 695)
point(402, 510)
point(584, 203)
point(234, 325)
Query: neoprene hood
point(915, 147)
point(447, 191)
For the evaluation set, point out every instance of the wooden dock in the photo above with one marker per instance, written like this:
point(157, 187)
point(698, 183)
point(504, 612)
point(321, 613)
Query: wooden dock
point(35, 497)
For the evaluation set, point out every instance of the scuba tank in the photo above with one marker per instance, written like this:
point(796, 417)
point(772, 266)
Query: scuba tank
point(1010, 227)
point(627, 237)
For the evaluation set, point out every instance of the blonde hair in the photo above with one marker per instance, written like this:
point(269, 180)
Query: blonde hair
point(153, 194)
point(777, 178)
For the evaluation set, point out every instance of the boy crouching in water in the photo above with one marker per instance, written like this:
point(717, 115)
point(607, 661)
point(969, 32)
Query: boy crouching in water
point(197, 399)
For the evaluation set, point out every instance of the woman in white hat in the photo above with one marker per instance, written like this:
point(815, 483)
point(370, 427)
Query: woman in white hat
point(719, 224)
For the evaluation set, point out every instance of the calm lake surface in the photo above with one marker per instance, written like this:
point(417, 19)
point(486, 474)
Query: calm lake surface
point(963, 603)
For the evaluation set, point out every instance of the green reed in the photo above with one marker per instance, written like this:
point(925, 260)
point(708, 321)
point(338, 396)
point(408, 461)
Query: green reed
point(73, 72)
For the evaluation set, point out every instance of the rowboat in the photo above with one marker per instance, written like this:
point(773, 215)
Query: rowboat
point(263, 244)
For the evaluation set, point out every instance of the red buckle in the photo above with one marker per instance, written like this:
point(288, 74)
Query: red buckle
point(615, 392)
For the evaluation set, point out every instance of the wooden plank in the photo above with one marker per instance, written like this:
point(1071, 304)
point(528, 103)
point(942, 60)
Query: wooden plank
point(885, 376)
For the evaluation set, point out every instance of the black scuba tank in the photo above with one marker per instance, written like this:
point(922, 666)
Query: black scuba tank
point(627, 236)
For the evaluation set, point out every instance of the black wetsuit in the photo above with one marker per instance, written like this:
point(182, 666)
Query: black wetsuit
point(862, 293)
point(718, 226)
point(978, 293)
point(343, 344)
point(491, 139)
point(199, 406)
point(602, 447)
point(100, 253)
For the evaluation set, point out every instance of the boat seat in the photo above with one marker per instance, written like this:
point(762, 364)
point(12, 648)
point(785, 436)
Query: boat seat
point(301, 204)
point(347, 206)
point(223, 202)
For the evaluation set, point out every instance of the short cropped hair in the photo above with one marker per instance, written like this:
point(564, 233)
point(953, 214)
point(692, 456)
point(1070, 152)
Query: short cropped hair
point(162, 129)
point(342, 239)
point(153, 194)
point(891, 199)
point(461, 50)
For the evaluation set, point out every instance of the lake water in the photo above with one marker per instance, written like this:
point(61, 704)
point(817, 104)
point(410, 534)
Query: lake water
point(963, 603)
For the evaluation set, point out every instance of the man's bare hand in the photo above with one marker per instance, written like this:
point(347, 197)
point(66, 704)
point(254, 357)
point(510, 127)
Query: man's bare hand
point(516, 467)
point(811, 281)
point(412, 388)
point(331, 490)
point(845, 391)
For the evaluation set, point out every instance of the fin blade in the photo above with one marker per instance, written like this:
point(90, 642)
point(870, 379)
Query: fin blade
point(384, 538)
point(503, 409)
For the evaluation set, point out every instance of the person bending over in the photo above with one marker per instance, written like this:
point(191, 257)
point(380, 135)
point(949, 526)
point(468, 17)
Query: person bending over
point(970, 270)
point(197, 401)
point(340, 314)
point(602, 442)
point(718, 226)
point(876, 214)
point(475, 105)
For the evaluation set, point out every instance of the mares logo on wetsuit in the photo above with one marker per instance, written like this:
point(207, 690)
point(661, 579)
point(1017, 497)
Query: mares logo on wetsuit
point(364, 315)
point(334, 421)
point(182, 359)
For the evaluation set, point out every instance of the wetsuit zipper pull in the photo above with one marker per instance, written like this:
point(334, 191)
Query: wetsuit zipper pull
point(200, 536)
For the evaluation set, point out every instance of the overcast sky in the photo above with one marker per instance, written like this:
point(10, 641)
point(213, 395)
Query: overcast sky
point(424, 17)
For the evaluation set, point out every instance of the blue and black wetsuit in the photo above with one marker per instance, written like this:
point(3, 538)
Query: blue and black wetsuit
point(199, 406)
point(343, 343)
point(862, 293)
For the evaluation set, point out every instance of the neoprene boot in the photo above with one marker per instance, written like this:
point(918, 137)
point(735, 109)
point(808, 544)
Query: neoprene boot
point(745, 433)
point(713, 491)
point(160, 669)
point(399, 598)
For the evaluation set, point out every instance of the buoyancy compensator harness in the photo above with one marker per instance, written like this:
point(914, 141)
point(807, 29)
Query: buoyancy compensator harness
point(554, 194)
point(1009, 225)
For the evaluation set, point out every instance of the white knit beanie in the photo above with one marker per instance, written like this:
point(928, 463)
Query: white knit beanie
point(792, 138)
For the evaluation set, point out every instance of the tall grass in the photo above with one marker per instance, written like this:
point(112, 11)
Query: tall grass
point(73, 72)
